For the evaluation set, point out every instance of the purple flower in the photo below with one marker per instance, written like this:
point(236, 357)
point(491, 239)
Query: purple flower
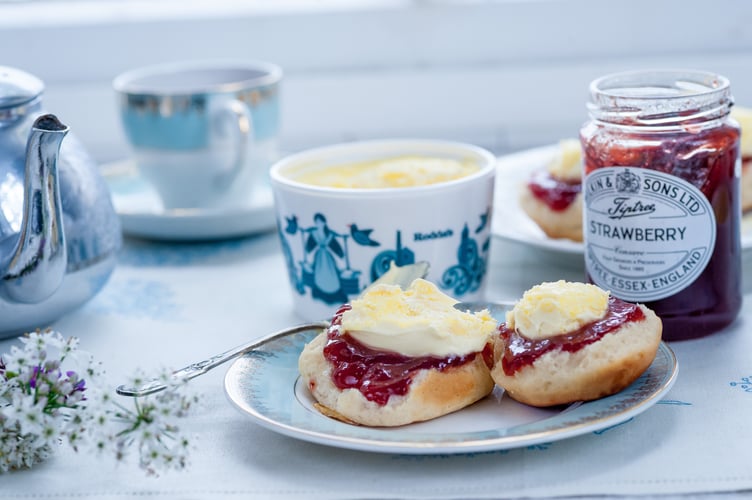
point(33, 379)
point(80, 386)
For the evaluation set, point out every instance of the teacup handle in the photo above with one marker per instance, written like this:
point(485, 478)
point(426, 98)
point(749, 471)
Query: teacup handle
point(236, 112)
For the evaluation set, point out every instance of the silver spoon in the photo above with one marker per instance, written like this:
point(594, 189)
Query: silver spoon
point(396, 275)
point(199, 368)
point(402, 276)
point(497, 310)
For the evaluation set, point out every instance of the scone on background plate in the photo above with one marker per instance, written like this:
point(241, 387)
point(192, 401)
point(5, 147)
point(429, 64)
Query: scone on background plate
point(552, 197)
point(565, 342)
point(744, 117)
point(394, 357)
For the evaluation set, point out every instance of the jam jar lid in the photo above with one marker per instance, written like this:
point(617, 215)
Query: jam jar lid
point(18, 87)
point(660, 96)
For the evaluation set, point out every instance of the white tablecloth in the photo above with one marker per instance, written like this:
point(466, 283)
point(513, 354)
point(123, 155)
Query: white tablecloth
point(171, 304)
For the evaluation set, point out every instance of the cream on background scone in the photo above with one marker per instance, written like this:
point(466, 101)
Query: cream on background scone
point(552, 197)
point(394, 357)
point(744, 117)
point(565, 342)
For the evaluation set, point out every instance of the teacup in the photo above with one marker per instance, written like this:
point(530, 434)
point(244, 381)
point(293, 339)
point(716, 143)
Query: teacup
point(204, 133)
point(339, 237)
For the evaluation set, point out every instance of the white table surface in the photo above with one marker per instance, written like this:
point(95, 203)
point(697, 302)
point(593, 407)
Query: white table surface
point(171, 304)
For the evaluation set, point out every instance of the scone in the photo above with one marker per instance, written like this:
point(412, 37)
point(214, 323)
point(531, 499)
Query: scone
point(565, 342)
point(394, 357)
point(744, 117)
point(552, 197)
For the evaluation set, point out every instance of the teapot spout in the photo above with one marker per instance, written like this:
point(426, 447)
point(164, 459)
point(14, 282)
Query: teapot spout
point(38, 262)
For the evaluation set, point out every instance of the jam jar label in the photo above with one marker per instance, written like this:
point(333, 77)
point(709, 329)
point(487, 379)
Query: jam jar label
point(648, 235)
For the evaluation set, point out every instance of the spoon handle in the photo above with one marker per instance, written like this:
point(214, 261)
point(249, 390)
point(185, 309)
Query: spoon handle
point(396, 275)
point(200, 367)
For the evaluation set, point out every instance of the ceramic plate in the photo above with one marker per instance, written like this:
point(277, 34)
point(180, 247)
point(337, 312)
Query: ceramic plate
point(512, 223)
point(265, 385)
point(141, 212)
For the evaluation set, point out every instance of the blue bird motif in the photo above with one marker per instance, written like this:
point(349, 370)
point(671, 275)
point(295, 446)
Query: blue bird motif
point(292, 224)
point(483, 221)
point(362, 236)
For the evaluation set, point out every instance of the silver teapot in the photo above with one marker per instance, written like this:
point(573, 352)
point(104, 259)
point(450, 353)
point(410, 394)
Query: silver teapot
point(59, 233)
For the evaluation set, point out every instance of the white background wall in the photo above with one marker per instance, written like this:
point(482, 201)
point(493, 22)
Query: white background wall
point(505, 74)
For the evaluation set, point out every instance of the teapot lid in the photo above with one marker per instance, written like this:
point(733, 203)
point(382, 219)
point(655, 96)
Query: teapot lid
point(18, 87)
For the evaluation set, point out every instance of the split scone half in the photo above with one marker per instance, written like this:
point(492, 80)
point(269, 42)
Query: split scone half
point(565, 342)
point(393, 357)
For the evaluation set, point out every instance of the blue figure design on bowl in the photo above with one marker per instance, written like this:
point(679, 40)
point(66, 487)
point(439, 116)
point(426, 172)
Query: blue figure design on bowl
point(323, 262)
point(325, 267)
point(401, 256)
point(467, 275)
point(322, 274)
point(362, 236)
point(291, 227)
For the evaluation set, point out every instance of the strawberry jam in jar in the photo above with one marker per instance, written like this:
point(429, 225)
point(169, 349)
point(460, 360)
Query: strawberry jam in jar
point(662, 204)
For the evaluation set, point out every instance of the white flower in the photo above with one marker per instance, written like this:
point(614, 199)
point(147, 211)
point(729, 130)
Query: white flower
point(17, 360)
point(22, 450)
point(27, 414)
point(49, 435)
point(150, 428)
point(44, 402)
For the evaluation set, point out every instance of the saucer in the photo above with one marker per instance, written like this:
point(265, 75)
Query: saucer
point(142, 214)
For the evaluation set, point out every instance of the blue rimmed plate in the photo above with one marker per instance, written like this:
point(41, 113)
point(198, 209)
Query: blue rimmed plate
point(265, 385)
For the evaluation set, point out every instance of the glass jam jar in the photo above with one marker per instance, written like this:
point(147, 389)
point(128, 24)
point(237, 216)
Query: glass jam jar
point(662, 205)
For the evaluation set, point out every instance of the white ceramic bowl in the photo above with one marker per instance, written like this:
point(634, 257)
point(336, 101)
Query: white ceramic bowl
point(336, 241)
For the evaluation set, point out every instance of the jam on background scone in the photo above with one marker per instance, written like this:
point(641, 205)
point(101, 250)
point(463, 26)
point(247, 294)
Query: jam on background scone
point(394, 357)
point(552, 197)
point(565, 342)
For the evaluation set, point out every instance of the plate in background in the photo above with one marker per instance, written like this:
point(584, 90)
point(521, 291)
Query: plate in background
point(142, 214)
point(512, 223)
